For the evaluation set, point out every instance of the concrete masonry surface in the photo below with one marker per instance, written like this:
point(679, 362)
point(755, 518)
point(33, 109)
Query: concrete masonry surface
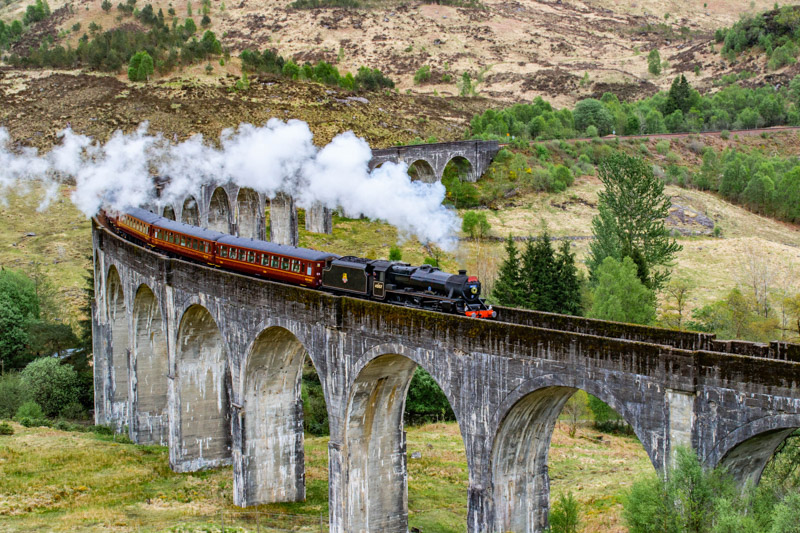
point(233, 349)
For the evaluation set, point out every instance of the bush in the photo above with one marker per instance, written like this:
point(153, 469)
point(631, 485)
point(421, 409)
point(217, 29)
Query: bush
point(30, 410)
point(74, 411)
point(6, 428)
point(395, 254)
point(565, 515)
point(12, 394)
point(101, 430)
point(591, 132)
point(426, 402)
point(725, 134)
point(423, 74)
point(51, 384)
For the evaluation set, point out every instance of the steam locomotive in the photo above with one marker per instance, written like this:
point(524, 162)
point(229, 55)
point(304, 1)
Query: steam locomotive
point(424, 287)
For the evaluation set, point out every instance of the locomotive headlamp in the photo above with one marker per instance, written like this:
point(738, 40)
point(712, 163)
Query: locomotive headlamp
point(474, 290)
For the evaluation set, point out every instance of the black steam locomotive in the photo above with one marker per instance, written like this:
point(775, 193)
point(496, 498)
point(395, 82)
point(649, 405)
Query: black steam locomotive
point(424, 286)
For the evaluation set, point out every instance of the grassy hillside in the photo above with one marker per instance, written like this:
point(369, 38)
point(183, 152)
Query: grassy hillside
point(61, 481)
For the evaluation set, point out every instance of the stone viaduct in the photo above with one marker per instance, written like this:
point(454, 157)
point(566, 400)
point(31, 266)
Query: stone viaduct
point(209, 363)
point(241, 211)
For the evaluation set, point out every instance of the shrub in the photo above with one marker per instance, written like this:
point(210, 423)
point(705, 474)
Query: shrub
point(29, 409)
point(74, 411)
point(423, 74)
point(725, 134)
point(395, 254)
point(565, 515)
point(101, 430)
point(591, 132)
point(51, 384)
point(6, 428)
point(12, 394)
point(662, 147)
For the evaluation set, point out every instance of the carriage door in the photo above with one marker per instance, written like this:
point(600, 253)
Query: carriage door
point(378, 285)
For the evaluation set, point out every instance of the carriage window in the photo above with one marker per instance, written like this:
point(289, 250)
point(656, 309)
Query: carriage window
point(194, 244)
point(183, 240)
point(285, 265)
point(276, 261)
point(223, 251)
point(206, 247)
point(265, 260)
point(295, 266)
point(308, 271)
point(251, 257)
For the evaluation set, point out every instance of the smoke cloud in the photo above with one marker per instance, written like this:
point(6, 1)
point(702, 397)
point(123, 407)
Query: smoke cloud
point(278, 157)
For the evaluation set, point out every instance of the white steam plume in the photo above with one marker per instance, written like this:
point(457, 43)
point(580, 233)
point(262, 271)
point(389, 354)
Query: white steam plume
point(278, 157)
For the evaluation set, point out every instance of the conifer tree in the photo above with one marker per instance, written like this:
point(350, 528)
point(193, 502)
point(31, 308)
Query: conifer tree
point(538, 274)
point(507, 287)
point(568, 286)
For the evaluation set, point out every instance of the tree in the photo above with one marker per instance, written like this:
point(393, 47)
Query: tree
point(630, 220)
point(507, 289)
point(654, 62)
point(568, 284)
point(140, 66)
point(52, 385)
point(538, 274)
point(575, 409)
point(475, 224)
point(679, 96)
point(426, 402)
point(677, 295)
point(19, 306)
point(592, 112)
point(620, 295)
point(787, 515)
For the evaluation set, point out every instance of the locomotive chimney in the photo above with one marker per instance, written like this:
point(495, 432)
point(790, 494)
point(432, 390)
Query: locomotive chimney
point(462, 272)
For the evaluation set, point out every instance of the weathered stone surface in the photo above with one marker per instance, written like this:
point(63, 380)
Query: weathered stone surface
point(235, 348)
point(433, 158)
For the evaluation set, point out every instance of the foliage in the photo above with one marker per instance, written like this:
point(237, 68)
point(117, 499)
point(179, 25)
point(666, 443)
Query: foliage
point(620, 295)
point(6, 428)
point(73, 411)
point(733, 106)
point(395, 253)
point(36, 12)
point(315, 413)
point(565, 515)
point(12, 394)
point(51, 384)
point(630, 221)
point(540, 279)
point(605, 418)
point(426, 402)
point(787, 515)
point(475, 224)
point(591, 112)
point(19, 306)
point(29, 409)
point(316, 4)
point(422, 74)
point(507, 288)
point(140, 67)
point(654, 62)
point(166, 45)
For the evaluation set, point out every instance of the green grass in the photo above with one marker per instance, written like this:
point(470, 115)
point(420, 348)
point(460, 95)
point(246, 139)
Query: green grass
point(53, 480)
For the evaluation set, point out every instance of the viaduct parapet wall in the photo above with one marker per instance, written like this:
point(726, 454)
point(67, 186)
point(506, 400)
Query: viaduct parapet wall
point(210, 363)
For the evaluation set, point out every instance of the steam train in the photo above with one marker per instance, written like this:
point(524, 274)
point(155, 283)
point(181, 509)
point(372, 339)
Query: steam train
point(424, 287)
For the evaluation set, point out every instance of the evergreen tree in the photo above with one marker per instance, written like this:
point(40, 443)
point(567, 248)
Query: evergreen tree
point(538, 274)
point(568, 286)
point(630, 220)
point(507, 288)
point(679, 96)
